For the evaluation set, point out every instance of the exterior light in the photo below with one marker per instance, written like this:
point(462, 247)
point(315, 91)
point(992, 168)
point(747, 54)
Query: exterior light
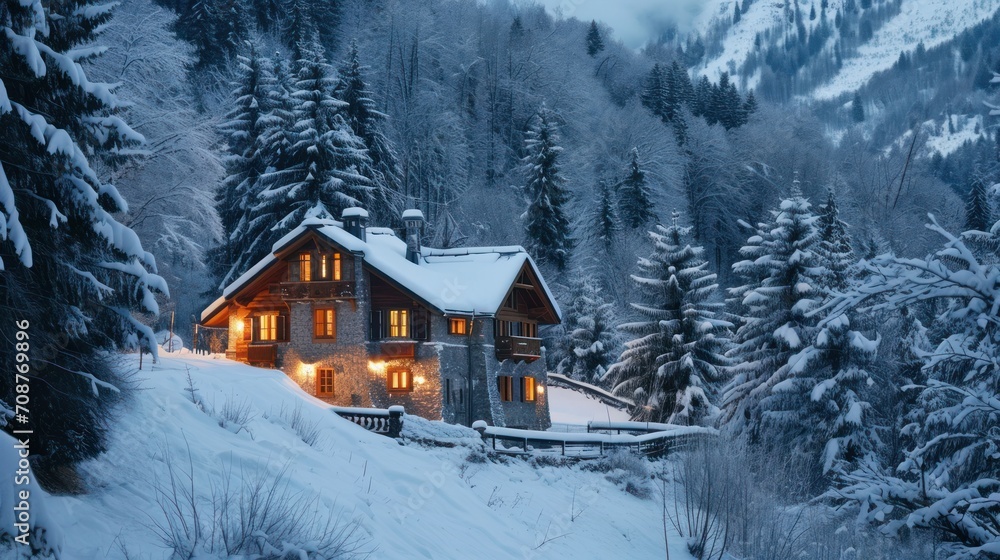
point(419, 380)
point(307, 369)
point(239, 327)
point(541, 390)
point(376, 367)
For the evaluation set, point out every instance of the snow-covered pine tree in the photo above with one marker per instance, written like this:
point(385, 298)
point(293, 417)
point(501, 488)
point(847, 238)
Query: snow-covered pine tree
point(778, 292)
point(978, 213)
point(654, 90)
point(546, 226)
point(595, 43)
point(247, 125)
point(634, 205)
point(320, 174)
point(857, 108)
point(604, 216)
point(678, 351)
point(384, 201)
point(591, 343)
point(71, 276)
point(947, 481)
point(835, 253)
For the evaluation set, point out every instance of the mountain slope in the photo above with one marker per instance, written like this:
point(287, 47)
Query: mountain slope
point(410, 501)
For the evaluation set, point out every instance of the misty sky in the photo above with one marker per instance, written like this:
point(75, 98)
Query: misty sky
point(634, 21)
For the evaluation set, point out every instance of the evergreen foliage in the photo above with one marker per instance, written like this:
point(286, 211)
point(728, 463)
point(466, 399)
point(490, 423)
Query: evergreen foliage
point(978, 212)
point(591, 343)
point(547, 226)
point(678, 351)
point(595, 43)
point(73, 280)
point(834, 253)
point(634, 205)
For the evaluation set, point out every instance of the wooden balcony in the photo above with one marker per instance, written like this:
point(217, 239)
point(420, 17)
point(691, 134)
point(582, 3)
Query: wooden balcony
point(313, 290)
point(262, 355)
point(521, 348)
point(389, 348)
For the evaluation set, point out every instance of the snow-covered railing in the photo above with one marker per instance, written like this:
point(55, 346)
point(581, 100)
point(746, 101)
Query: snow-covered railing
point(385, 421)
point(629, 427)
point(515, 441)
point(606, 397)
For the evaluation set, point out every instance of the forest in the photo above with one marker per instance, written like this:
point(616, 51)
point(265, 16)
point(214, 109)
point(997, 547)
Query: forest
point(817, 276)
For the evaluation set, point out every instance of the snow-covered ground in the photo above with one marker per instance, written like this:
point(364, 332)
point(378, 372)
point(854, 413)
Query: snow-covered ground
point(968, 128)
point(932, 23)
point(412, 501)
point(570, 410)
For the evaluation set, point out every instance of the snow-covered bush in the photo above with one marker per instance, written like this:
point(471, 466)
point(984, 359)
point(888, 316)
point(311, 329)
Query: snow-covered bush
point(628, 471)
point(44, 538)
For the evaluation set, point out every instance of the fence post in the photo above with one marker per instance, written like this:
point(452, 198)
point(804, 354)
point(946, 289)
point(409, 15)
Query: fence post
point(395, 421)
point(564, 447)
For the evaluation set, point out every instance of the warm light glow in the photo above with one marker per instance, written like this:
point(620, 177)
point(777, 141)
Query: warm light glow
point(419, 380)
point(239, 327)
point(376, 367)
point(541, 390)
point(306, 369)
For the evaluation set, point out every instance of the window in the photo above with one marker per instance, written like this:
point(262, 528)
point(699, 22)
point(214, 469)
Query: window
point(305, 267)
point(268, 330)
point(324, 323)
point(324, 382)
point(516, 328)
point(506, 385)
point(329, 266)
point(528, 389)
point(458, 326)
point(399, 380)
point(399, 323)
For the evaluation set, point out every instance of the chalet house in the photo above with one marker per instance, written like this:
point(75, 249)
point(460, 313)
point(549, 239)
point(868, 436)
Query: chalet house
point(361, 318)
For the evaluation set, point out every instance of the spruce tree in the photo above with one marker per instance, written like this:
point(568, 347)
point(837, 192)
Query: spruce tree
point(779, 291)
point(595, 43)
point(72, 278)
point(653, 95)
point(857, 108)
point(320, 174)
point(547, 227)
point(978, 214)
point(591, 343)
point(247, 125)
point(604, 216)
point(384, 200)
point(834, 253)
point(634, 205)
point(677, 351)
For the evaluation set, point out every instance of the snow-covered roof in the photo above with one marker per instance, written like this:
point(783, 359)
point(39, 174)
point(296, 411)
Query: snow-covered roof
point(464, 281)
point(355, 212)
point(413, 214)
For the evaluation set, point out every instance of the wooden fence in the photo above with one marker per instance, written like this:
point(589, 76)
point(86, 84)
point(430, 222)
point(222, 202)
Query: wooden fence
point(513, 441)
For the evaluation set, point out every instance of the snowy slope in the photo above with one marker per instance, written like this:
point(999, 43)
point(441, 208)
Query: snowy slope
point(567, 406)
point(412, 501)
point(927, 21)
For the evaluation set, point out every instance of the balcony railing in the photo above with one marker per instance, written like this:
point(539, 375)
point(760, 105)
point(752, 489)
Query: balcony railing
point(518, 348)
point(313, 290)
point(264, 355)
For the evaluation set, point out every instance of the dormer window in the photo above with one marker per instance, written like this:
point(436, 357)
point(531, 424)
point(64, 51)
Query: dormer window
point(399, 323)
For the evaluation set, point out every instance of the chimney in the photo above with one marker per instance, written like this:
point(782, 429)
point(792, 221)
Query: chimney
point(355, 221)
point(414, 220)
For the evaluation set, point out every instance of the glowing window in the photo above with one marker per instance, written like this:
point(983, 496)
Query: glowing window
point(329, 266)
point(528, 389)
point(325, 323)
point(458, 326)
point(399, 380)
point(268, 327)
point(305, 267)
point(324, 382)
point(399, 323)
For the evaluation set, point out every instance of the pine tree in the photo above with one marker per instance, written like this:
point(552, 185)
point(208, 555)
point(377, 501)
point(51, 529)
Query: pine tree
point(591, 344)
point(857, 108)
point(677, 352)
point(72, 277)
point(604, 216)
point(834, 253)
point(634, 205)
point(749, 106)
point(978, 214)
point(778, 267)
point(736, 14)
point(369, 124)
point(320, 174)
point(247, 126)
point(653, 94)
point(595, 43)
point(546, 226)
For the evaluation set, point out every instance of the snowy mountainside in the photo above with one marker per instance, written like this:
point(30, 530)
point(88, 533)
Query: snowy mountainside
point(409, 501)
point(902, 25)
